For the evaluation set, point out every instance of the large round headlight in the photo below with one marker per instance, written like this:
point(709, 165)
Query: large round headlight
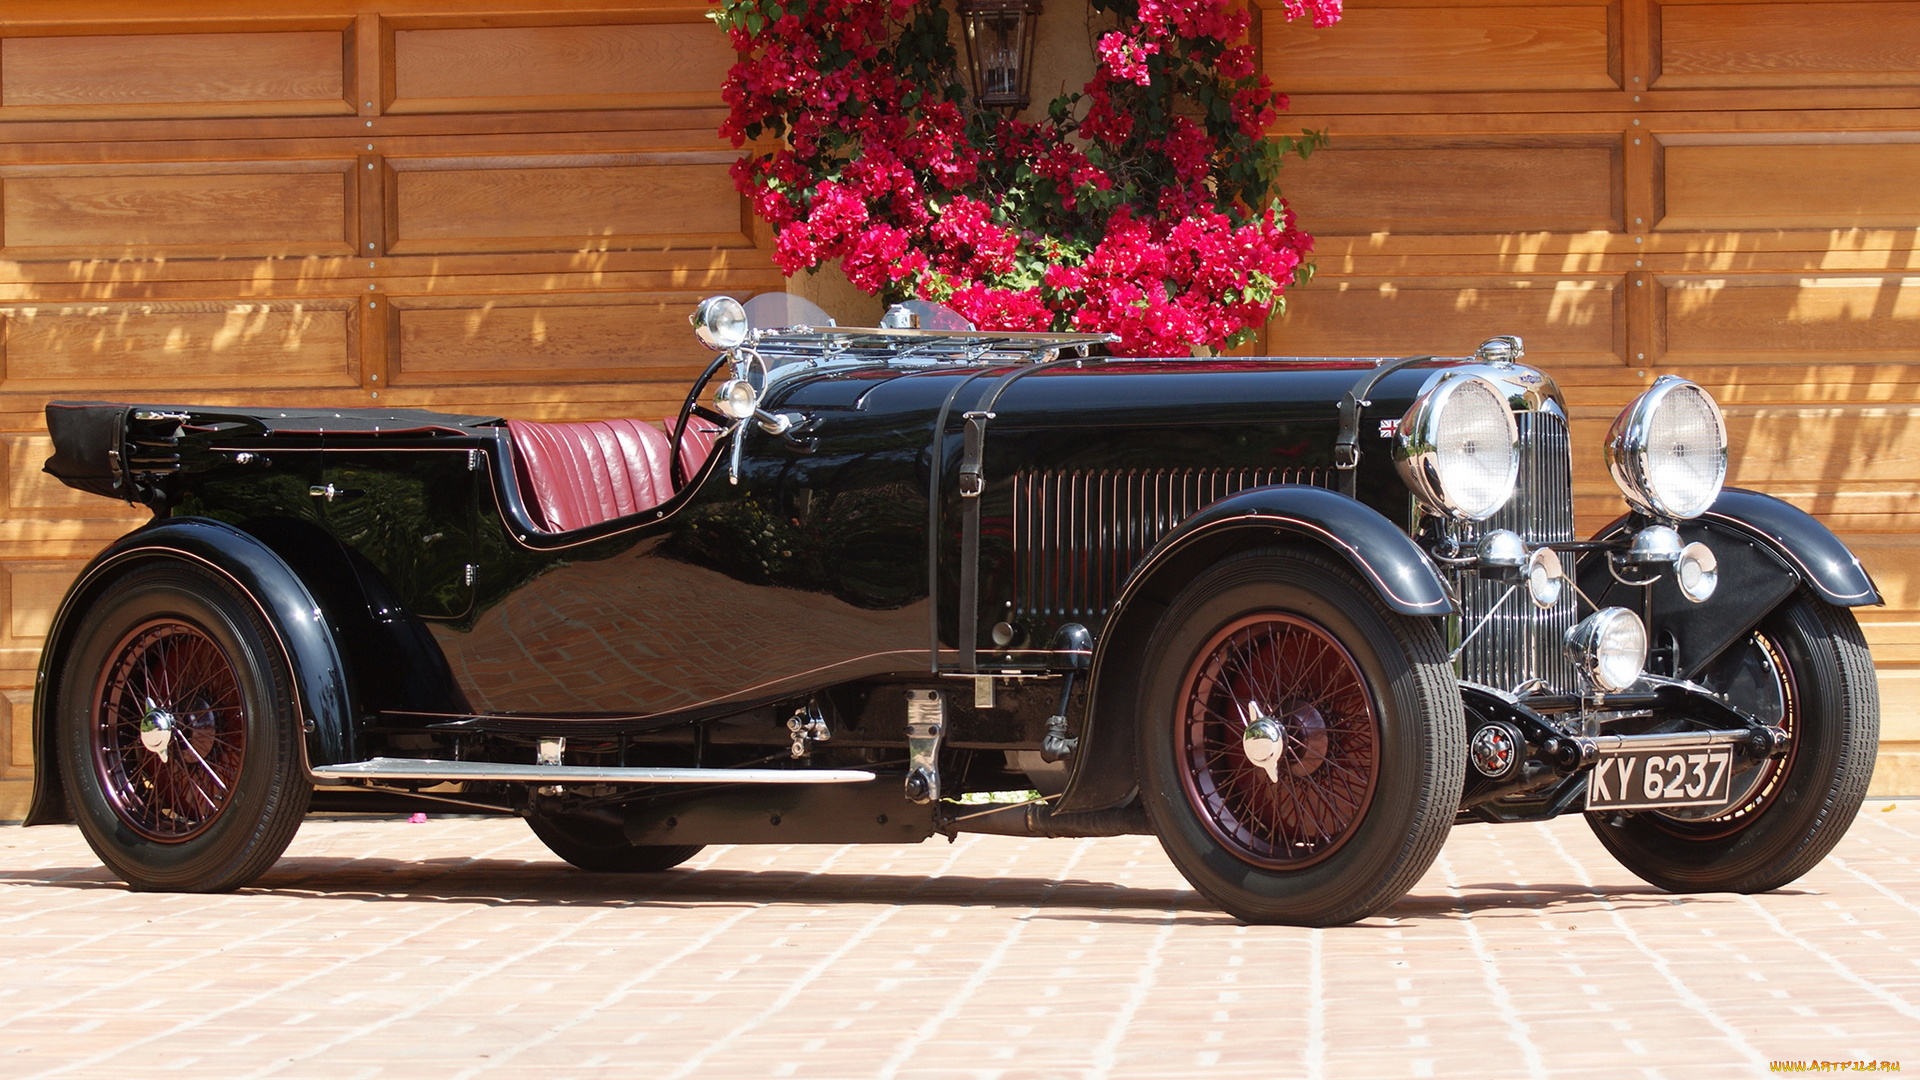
point(1668, 450)
point(1458, 448)
point(720, 322)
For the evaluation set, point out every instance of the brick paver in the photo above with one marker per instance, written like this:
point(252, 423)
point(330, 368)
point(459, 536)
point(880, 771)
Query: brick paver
point(460, 948)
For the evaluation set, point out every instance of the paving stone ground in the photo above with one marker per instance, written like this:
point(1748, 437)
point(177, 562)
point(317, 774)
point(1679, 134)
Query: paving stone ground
point(460, 948)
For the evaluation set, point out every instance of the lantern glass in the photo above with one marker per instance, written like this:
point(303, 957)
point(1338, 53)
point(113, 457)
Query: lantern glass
point(1000, 36)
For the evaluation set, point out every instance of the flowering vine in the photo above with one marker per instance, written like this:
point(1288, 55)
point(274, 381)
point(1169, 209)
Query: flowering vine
point(1144, 204)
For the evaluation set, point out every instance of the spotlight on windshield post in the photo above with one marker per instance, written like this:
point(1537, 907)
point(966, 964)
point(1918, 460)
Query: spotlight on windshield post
point(720, 322)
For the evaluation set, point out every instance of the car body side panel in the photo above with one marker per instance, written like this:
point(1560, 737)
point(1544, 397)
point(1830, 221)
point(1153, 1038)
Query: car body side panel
point(1087, 468)
point(807, 572)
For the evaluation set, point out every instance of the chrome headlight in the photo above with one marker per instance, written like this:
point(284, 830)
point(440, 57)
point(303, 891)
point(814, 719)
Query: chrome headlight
point(720, 322)
point(1609, 647)
point(1458, 449)
point(736, 398)
point(1668, 450)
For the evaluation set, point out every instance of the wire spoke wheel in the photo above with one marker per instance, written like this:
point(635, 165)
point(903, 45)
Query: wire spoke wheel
point(1291, 673)
point(178, 738)
point(169, 730)
point(1301, 744)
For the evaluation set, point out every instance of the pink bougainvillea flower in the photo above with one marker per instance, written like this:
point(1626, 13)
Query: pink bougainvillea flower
point(1143, 205)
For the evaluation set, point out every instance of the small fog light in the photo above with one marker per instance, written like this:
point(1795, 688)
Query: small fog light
point(1610, 648)
point(736, 398)
point(1546, 577)
point(1501, 551)
point(1697, 572)
point(1654, 544)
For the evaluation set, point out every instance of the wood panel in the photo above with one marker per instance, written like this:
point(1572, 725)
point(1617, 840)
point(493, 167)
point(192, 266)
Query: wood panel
point(1402, 47)
point(121, 347)
point(286, 73)
point(1418, 189)
point(1776, 319)
point(535, 340)
point(1801, 184)
point(599, 202)
point(16, 713)
point(1764, 45)
point(651, 65)
point(35, 589)
point(282, 208)
point(1570, 321)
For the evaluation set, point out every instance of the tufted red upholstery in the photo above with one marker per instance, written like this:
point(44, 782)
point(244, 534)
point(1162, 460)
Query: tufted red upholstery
point(575, 475)
point(695, 445)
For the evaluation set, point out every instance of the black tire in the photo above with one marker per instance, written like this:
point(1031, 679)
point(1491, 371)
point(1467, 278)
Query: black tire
point(177, 733)
point(1805, 668)
point(596, 843)
point(1374, 752)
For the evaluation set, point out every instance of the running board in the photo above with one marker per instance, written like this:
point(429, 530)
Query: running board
point(456, 771)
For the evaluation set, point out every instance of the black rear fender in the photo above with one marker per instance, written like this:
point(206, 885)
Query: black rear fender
point(307, 627)
point(1380, 553)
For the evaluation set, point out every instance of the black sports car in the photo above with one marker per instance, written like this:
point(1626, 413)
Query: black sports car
point(1296, 616)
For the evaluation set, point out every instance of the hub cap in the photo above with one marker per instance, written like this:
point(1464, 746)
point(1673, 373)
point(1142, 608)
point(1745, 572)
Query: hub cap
point(1278, 740)
point(169, 730)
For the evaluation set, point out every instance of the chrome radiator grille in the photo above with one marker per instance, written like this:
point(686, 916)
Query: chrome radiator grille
point(1076, 535)
point(1518, 642)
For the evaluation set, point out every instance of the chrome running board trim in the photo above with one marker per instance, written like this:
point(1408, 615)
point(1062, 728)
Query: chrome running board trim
point(454, 771)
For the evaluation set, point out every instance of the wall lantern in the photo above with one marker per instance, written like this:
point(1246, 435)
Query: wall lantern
point(1000, 36)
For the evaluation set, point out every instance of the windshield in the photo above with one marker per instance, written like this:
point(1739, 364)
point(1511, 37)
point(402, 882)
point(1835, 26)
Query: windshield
point(782, 310)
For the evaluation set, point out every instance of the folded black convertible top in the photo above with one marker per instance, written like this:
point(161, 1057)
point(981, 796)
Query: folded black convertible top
point(92, 439)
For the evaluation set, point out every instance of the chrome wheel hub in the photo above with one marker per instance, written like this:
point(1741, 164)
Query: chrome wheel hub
point(156, 731)
point(1297, 740)
point(1265, 743)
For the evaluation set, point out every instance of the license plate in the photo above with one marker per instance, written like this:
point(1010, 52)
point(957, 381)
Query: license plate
point(1650, 779)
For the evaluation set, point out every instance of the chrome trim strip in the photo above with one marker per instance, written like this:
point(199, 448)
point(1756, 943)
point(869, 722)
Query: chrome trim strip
point(1677, 740)
point(452, 771)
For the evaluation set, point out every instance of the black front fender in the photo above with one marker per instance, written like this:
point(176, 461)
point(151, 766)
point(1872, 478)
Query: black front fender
point(1766, 549)
point(1384, 555)
point(321, 687)
point(1810, 548)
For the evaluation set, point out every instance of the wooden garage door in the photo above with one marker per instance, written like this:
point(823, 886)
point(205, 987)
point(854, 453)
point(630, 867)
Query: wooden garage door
point(1721, 189)
point(423, 204)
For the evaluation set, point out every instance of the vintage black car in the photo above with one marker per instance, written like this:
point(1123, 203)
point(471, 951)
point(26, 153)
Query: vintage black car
point(1296, 616)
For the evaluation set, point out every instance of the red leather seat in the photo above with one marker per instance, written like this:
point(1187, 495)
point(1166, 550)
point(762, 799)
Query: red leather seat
point(580, 474)
point(696, 444)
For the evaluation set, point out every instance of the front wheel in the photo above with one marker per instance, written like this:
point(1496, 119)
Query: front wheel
point(1806, 670)
point(177, 733)
point(1302, 746)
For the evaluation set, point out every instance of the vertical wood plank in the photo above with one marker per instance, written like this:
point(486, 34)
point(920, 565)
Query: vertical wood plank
point(372, 342)
point(371, 173)
point(371, 88)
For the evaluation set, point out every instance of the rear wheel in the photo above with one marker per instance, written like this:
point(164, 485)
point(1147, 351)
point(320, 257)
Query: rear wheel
point(1804, 669)
point(597, 843)
point(177, 733)
point(1301, 744)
